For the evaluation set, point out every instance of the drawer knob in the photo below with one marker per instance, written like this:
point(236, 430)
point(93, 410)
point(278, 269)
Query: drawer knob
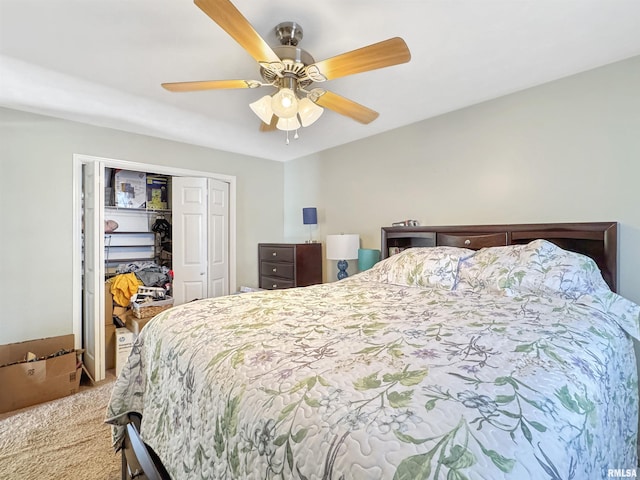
point(274, 269)
point(275, 254)
point(275, 285)
point(467, 242)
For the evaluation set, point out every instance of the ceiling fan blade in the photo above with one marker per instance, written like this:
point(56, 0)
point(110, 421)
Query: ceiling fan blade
point(347, 107)
point(271, 126)
point(378, 55)
point(210, 85)
point(229, 18)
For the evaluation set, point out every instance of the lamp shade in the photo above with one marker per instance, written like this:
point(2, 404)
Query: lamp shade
point(284, 103)
point(288, 124)
point(343, 246)
point(310, 216)
point(367, 258)
point(308, 111)
point(262, 108)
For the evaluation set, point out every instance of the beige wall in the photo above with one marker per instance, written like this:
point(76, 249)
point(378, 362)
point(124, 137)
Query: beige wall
point(565, 151)
point(36, 210)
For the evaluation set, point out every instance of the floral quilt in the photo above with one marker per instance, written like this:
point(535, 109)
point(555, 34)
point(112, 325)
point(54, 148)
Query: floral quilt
point(419, 368)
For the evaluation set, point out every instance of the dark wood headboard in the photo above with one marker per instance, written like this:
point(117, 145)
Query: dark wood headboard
point(598, 240)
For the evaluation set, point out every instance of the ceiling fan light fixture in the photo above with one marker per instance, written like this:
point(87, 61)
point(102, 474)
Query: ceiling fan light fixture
point(308, 111)
point(285, 103)
point(291, 69)
point(262, 108)
point(288, 124)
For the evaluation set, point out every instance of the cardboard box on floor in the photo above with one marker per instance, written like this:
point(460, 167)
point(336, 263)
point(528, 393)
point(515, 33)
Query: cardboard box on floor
point(109, 329)
point(110, 346)
point(108, 304)
point(124, 338)
point(124, 344)
point(30, 383)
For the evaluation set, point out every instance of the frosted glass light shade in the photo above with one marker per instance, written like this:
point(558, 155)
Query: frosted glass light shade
point(288, 124)
point(292, 112)
point(343, 247)
point(308, 111)
point(262, 108)
point(285, 103)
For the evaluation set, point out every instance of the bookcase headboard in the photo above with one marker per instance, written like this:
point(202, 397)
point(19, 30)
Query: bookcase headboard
point(598, 240)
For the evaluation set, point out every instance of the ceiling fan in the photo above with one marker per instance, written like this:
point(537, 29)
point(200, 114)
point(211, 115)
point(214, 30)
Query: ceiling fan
point(292, 71)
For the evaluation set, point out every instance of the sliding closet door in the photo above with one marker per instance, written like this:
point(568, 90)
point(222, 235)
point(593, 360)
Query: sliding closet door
point(93, 273)
point(218, 238)
point(200, 258)
point(189, 239)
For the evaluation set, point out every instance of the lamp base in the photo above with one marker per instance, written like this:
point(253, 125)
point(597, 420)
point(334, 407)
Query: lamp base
point(311, 240)
point(342, 269)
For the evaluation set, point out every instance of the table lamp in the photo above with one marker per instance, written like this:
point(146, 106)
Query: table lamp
point(310, 217)
point(343, 247)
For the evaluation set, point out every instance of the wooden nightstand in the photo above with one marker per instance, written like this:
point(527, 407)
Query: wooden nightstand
point(286, 265)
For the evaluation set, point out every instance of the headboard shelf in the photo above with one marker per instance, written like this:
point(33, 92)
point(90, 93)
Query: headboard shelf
point(598, 240)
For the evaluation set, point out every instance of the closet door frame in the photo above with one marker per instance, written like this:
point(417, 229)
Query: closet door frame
point(78, 161)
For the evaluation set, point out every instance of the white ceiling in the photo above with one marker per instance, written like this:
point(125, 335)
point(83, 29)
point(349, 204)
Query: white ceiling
point(102, 62)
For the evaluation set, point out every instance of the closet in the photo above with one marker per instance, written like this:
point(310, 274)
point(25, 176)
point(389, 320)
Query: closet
point(137, 247)
point(134, 213)
point(137, 219)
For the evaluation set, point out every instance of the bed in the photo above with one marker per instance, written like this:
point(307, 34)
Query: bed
point(510, 359)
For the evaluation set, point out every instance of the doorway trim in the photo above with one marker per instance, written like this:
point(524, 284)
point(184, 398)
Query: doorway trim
point(78, 161)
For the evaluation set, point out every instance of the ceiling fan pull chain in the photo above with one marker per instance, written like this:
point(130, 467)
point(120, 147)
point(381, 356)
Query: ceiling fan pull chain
point(287, 142)
point(296, 136)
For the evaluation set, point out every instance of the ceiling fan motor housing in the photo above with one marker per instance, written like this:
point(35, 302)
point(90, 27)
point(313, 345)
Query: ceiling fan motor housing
point(294, 59)
point(288, 33)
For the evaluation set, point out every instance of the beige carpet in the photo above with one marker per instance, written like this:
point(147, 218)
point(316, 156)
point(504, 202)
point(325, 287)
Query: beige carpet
point(65, 438)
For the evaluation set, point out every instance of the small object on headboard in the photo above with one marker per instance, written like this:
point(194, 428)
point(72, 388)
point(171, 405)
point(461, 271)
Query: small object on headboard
point(406, 223)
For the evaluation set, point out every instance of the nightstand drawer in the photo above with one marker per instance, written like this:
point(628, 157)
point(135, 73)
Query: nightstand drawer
point(280, 270)
point(276, 254)
point(273, 283)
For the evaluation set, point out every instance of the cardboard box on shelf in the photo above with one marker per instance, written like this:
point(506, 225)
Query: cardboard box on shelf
point(157, 192)
point(131, 189)
point(124, 344)
point(54, 373)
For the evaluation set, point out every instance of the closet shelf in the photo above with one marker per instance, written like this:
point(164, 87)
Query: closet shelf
point(127, 260)
point(144, 210)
